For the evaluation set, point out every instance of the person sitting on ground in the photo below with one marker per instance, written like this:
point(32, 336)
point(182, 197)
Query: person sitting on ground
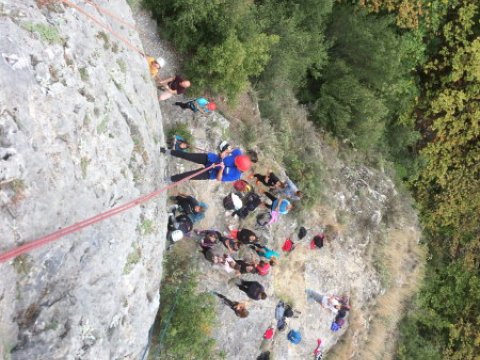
point(263, 267)
point(265, 252)
point(200, 104)
point(155, 65)
point(270, 180)
point(231, 244)
point(191, 207)
point(253, 289)
point(242, 267)
point(289, 189)
point(228, 166)
point(240, 308)
point(210, 239)
point(282, 206)
point(225, 262)
point(329, 302)
point(175, 85)
point(247, 237)
point(178, 143)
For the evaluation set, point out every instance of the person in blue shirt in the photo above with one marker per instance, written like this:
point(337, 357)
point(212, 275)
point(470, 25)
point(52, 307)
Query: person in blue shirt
point(198, 105)
point(191, 207)
point(228, 165)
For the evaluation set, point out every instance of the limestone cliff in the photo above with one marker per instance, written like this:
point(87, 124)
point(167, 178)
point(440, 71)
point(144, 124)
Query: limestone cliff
point(79, 128)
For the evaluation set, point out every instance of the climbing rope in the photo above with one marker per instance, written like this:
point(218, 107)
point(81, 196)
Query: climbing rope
point(112, 15)
point(99, 23)
point(92, 220)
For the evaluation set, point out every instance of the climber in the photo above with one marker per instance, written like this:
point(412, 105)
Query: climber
point(281, 206)
point(172, 86)
point(200, 104)
point(155, 65)
point(191, 207)
point(240, 308)
point(229, 166)
point(253, 289)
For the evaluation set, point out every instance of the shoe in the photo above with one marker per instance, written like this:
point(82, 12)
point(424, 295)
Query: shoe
point(163, 150)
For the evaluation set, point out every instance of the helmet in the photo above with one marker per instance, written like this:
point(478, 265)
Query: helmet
point(211, 106)
point(176, 235)
point(161, 61)
point(237, 202)
point(243, 162)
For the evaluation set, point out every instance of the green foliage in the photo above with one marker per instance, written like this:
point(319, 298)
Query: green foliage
point(447, 189)
point(225, 68)
point(222, 39)
point(47, 33)
point(182, 130)
point(367, 83)
point(186, 318)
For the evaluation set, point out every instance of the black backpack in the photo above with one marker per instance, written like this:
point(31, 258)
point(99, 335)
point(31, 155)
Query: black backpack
point(250, 202)
point(228, 201)
point(181, 222)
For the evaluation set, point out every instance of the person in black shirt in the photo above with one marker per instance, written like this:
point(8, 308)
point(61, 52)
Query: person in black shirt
point(253, 289)
point(247, 237)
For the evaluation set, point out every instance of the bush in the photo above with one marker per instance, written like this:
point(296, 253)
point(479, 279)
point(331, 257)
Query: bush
point(186, 318)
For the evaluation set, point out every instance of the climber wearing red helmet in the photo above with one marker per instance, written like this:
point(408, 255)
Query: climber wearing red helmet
point(230, 164)
point(200, 104)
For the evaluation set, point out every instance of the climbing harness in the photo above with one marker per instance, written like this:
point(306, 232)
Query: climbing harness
point(92, 220)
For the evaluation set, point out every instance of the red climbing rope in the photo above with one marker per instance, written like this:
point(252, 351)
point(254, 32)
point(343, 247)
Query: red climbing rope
point(112, 15)
point(92, 220)
point(110, 30)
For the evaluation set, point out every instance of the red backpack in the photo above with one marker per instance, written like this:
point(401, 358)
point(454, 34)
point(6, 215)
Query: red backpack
point(287, 245)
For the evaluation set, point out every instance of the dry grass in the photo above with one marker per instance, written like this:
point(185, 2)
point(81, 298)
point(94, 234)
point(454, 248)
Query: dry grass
point(403, 259)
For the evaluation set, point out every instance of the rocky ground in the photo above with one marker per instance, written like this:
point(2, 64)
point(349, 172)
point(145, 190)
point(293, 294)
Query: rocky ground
point(361, 210)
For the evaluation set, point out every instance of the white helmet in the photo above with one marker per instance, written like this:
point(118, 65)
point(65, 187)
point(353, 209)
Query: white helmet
point(161, 61)
point(176, 235)
point(237, 202)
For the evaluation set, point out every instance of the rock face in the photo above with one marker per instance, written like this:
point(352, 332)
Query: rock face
point(80, 127)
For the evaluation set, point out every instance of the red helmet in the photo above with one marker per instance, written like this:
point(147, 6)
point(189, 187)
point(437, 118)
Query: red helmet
point(211, 106)
point(243, 162)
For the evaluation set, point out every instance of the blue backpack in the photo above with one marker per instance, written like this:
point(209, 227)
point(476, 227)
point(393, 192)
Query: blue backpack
point(294, 336)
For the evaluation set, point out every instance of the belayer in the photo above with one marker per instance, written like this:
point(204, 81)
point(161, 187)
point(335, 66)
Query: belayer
point(228, 165)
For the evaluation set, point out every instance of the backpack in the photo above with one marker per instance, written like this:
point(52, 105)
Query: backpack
point(181, 222)
point(288, 311)
point(242, 186)
point(250, 202)
point(287, 245)
point(317, 241)
point(302, 232)
point(232, 202)
point(264, 219)
point(294, 336)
